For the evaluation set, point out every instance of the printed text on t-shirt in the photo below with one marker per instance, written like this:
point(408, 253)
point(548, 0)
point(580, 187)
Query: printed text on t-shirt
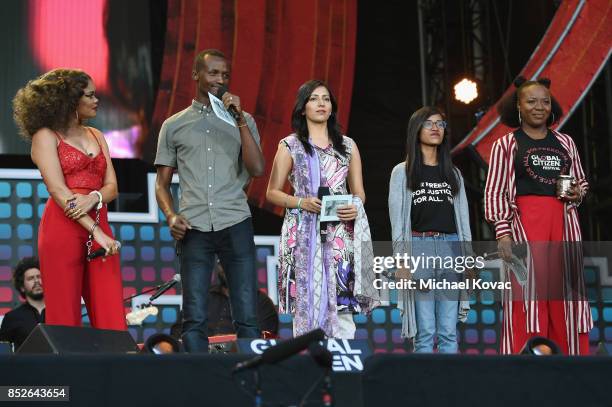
point(433, 192)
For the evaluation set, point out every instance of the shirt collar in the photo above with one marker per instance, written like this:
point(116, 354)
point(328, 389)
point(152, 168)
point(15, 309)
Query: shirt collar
point(32, 308)
point(199, 106)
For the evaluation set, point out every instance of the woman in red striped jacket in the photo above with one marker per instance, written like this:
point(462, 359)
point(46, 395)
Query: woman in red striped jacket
point(521, 200)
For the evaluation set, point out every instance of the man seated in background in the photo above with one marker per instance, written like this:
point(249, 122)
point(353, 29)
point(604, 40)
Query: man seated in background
point(18, 323)
point(220, 321)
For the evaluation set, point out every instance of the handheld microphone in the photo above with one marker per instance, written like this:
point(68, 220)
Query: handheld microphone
point(101, 251)
point(166, 286)
point(231, 108)
point(322, 192)
point(282, 350)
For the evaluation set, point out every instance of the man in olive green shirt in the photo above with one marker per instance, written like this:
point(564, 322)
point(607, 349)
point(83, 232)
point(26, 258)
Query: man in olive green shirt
point(214, 161)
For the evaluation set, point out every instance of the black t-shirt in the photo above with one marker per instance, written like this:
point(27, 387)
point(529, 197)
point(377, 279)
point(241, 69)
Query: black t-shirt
point(538, 164)
point(18, 323)
point(432, 203)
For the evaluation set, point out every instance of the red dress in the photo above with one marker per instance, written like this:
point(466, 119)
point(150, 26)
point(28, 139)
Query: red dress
point(66, 273)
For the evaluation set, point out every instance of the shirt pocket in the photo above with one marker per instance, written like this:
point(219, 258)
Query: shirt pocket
point(227, 156)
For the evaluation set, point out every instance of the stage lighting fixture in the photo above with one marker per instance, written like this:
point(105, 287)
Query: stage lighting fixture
point(161, 344)
point(540, 346)
point(466, 91)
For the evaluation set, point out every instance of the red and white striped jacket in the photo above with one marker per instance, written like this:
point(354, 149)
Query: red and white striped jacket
point(501, 210)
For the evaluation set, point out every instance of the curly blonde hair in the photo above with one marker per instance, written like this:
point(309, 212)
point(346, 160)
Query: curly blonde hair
point(49, 101)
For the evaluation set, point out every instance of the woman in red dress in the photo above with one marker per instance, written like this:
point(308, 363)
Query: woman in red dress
point(75, 164)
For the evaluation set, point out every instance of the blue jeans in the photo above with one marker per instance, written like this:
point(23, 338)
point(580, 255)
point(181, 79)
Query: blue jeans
point(436, 310)
point(236, 250)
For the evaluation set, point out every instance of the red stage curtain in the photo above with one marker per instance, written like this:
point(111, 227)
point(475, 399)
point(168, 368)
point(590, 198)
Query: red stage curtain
point(274, 46)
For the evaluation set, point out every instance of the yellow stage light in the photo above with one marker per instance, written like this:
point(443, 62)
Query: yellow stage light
point(466, 91)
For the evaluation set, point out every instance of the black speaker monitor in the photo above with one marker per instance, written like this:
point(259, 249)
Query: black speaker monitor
point(59, 339)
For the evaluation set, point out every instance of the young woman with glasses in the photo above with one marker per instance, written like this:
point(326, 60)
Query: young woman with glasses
point(429, 217)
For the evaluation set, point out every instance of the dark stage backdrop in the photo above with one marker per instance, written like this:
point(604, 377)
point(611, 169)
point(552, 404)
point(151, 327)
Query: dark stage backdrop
point(109, 39)
point(387, 86)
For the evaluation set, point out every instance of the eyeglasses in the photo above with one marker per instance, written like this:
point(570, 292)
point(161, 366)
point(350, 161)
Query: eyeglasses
point(441, 124)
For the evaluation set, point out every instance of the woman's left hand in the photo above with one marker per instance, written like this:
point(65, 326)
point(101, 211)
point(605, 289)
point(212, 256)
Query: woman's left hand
point(347, 212)
point(573, 194)
point(79, 205)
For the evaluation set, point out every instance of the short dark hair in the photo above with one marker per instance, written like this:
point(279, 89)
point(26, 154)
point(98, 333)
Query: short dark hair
point(19, 274)
point(199, 59)
point(508, 112)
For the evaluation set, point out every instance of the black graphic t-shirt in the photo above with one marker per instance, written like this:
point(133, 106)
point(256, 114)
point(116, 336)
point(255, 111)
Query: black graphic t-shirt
point(432, 203)
point(538, 164)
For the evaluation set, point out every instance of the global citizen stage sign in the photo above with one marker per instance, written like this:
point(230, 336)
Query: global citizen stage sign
point(348, 355)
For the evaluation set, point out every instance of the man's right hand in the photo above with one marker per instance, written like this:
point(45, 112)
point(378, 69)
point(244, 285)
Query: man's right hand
point(178, 226)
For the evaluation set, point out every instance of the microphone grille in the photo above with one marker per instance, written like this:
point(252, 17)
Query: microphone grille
point(222, 91)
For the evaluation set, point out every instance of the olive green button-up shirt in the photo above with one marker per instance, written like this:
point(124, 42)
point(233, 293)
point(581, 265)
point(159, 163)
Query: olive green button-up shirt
point(207, 153)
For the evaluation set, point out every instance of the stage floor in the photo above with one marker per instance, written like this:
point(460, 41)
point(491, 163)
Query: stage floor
point(387, 380)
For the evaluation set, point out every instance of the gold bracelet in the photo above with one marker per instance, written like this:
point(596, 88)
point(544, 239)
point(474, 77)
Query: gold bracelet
point(242, 125)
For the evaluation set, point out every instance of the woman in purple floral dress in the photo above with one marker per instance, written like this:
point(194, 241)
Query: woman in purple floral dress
point(325, 268)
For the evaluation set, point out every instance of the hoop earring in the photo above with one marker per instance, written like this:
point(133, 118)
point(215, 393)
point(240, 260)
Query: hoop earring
point(519, 116)
point(77, 116)
point(553, 119)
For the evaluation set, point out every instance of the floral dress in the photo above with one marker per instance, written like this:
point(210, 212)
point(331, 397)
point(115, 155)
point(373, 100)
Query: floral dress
point(316, 280)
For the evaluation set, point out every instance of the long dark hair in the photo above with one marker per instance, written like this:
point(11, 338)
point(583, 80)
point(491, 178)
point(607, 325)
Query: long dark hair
point(414, 156)
point(507, 108)
point(298, 119)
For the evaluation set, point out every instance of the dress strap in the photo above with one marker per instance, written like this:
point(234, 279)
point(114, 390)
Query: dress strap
point(95, 137)
point(59, 138)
